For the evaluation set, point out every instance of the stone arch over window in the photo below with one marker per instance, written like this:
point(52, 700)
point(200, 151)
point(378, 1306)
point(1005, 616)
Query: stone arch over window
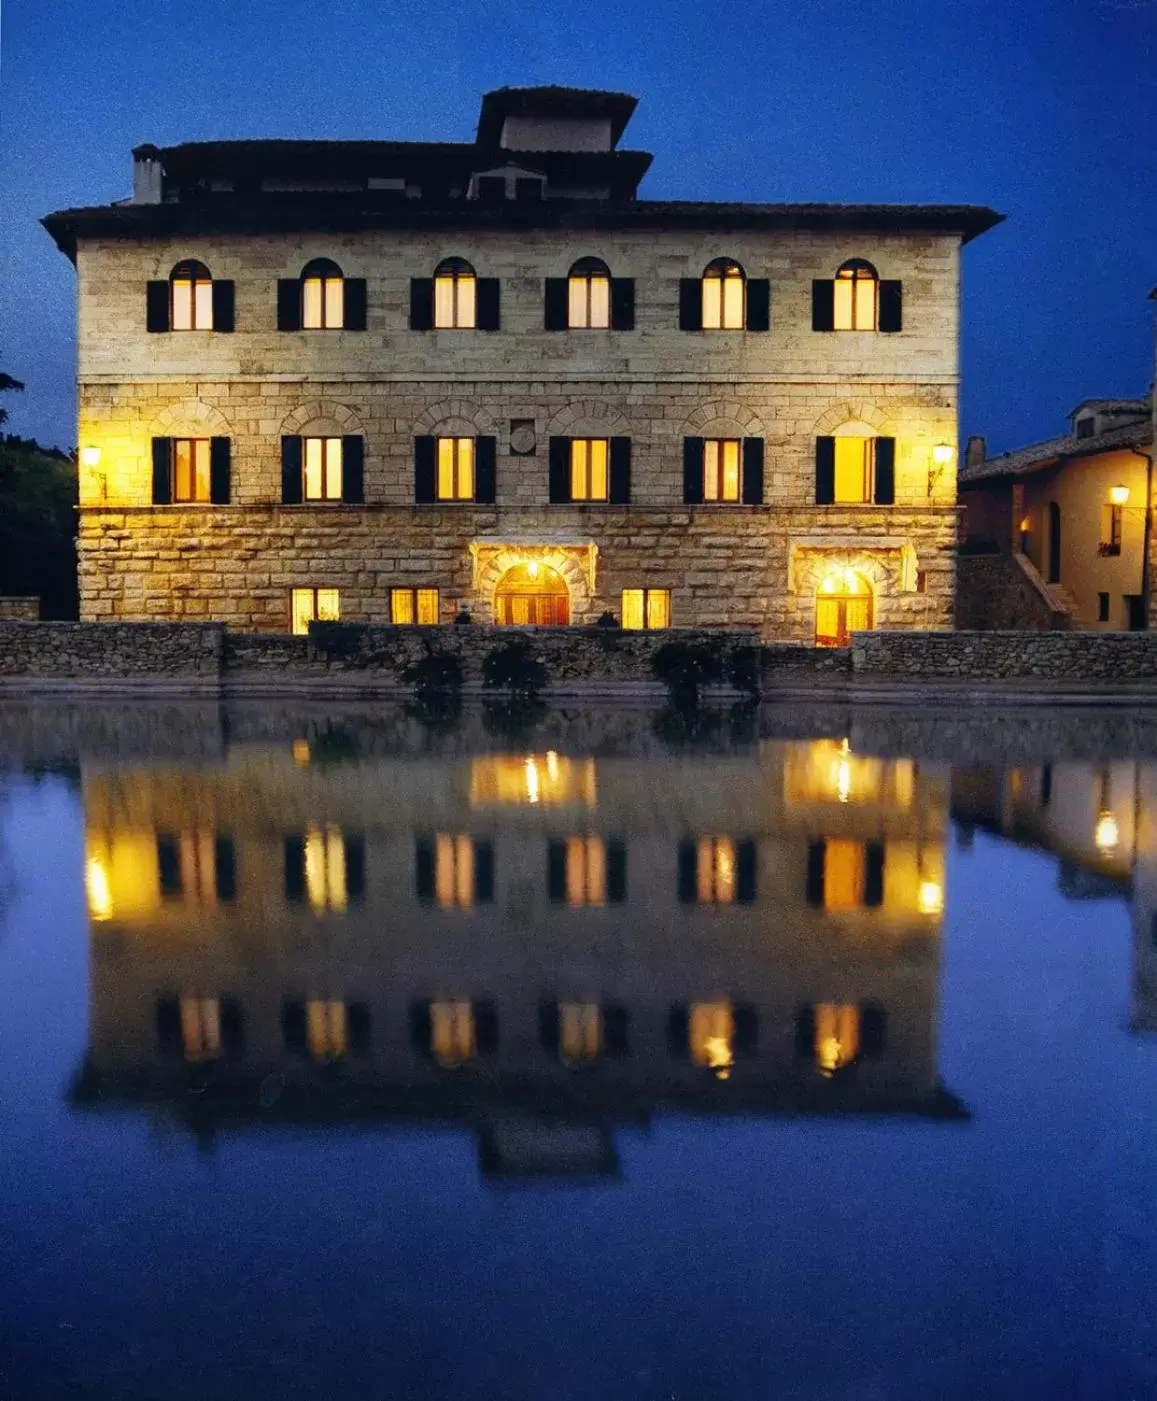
point(455, 418)
point(852, 419)
point(190, 418)
point(494, 566)
point(321, 419)
point(812, 567)
point(588, 418)
point(723, 419)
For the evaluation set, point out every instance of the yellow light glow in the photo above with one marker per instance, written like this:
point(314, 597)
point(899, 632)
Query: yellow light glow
point(90, 457)
point(532, 791)
point(831, 584)
point(942, 454)
point(851, 582)
point(1107, 834)
point(97, 889)
point(1025, 523)
point(552, 765)
point(532, 569)
point(301, 751)
point(930, 898)
point(1119, 495)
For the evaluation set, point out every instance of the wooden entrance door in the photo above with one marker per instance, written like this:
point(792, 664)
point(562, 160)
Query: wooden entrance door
point(531, 595)
point(838, 615)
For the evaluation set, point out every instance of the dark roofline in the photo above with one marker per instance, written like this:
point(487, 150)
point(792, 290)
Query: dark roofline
point(1055, 452)
point(329, 213)
point(553, 102)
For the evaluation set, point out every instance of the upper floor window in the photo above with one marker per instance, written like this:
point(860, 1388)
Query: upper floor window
point(589, 295)
point(326, 1029)
point(455, 299)
point(853, 470)
point(586, 871)
point(589, 476)
point(1111, 521)
point(856, 299)
point(191, 297)
point(191, 469)
point(713, 1034)
point(724, 287)
point(581, 1032)
point(322, 469)
point(455, 469)
point(322, 298)
point(590, 469)
point(1086, 426)
point(723, 469)
point(834, 1036)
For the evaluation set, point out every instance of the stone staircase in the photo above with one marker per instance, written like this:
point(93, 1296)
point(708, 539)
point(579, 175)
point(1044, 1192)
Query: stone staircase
point(1064, 607)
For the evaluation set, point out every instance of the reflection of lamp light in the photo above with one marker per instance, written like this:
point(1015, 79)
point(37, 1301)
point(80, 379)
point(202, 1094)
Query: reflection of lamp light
point(930, 898)
point(717, 1053)
point(843, 775)
point(97, 889)
point(1119, 495)
point(942, 454)
point(1107, 834)
point(301, 751)
point(90, 457)
point(531, 781)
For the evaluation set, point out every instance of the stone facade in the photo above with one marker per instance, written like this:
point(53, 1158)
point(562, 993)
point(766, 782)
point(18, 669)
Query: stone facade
point(25, 609)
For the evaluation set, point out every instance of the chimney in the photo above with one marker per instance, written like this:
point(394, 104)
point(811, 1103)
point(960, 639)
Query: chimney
point(147, 175)
point(974, 453)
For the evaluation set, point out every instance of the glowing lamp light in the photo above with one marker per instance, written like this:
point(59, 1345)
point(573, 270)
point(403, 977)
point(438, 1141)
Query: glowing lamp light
point(1118, 495)
point(1107, 833)
point(96, 887)
point(831, 583)
point(930, 897)
point(90, 457)
point(532, 569)
point(942, 454)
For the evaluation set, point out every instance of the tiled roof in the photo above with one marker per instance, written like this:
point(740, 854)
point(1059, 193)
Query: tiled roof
point(1038, 457)
point(548, 102)
point(1112, 406)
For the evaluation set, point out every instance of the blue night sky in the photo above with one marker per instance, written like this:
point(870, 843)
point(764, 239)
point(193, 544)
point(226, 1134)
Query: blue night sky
point(1046, 111)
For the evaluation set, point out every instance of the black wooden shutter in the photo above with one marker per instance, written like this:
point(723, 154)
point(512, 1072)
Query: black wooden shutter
point(168, 864)
point(353, 468)
point(805, 1032)
point(885, 471)
point(157, 306)
point(622, 303)
point(758, 304)
point(485, 469)
point(616, 1030)
point(488, 294)
point(360, 1028)
point(421, 303)
point(162, 471)
point(746, 1022)
point(232, 1027)
point(692, 471)
point(752, 493)
point(222, 305)
point(355, 869)
point(169, 1025)
point(556, 305)
point(687, 882)
point(225, 868)
point(620, 483)
point(483, 873)
point(679, 1030)
point(295, 869)
point(891, 306)
point(816, 855)
point(559, 470)
point(616, 871)
point(424, 868)
point(486, 1027)
point(292, 492)
point(219, 485)
point(825, 471)
point(425, 453)
point(690, 304)
point(823, 304)
point(288, 304)
point(873, 1029)
point(293, 1027)
point(354, 309)
point(421, 1031)
point(874, 875)
point(548, 1027)
point(556, 871)
point(746, 863)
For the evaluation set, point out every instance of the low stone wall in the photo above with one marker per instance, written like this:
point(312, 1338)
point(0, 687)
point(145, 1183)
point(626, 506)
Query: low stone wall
point(128, 652)
point(14, 609)
point(996, 593)
point(788, 664)
point(1042, 657)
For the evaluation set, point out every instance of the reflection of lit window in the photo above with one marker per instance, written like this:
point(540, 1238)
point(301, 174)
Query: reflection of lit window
point(715, 871)
point(327, 1031)
point(535, 778)
point(195, 866)
point(579, 1030)
point(826, 770)
point(845, 874)
point(452, 1039)
point(325, 869)
point(454, 871)
point(1107, 833)
point(586, 872)
point(97, 889)
point(711, 1036)
point(930, 897)
point(837, 1035)
point(201, 1028)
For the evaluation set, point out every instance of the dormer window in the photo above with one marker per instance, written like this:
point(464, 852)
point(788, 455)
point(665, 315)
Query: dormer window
point(1086, 427)
point(491, 189)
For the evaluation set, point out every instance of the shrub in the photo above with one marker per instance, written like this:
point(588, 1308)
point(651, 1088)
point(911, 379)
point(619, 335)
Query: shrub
point(743, 670)
point(435, 672)
point(513, 667)
point(462, 617)
point(606, 619)
point(685, 667)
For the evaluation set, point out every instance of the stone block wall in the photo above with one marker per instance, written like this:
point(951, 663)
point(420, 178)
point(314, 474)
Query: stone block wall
point(993, 593)
point(128, 651)
point(1041, 657)
point(25, 609)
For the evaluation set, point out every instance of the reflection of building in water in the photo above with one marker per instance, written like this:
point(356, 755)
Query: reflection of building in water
point(1100, 820)
point(542, 944)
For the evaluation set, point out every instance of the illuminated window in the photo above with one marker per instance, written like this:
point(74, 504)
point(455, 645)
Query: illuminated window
point(314, 605)
point(589, 297)
point(455, 295)
point(324, 868)
point(855, 469)
point(1111, 518)
point(589, 476)
point(724, 286)
point(190, 298)
point(198, 867)
point(455, 468)
point(408, 606)
point(856, 297)
point(717, 871)
point(721, 471)
point(190, 469)
point(580, 1031)
point(534, 778)
point(646, 608)
point(321, 469)
point(712, 1036)
point(845, 874)
point(322, 296)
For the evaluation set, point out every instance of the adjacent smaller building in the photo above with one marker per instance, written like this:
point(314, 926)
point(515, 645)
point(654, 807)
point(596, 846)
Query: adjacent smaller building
point(1072, 515)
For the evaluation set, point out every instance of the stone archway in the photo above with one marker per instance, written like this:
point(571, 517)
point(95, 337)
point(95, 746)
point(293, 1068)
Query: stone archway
point(532, 594)
point(844, 605)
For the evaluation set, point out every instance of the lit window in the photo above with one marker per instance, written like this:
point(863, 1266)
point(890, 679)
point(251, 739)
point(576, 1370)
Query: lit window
point(408, 606)
point(646, 608)
point(322, 296)
point(723, 296)
point(533, 779)
point(589, 295)
point(580, 1031)
point(325, 869)
point(314, 605)
point(855, 463)
point(455, 877)
point(721, 475)
point(837, 1036)
point(586, 872)
point(589, 478)
point(455, 481)
point(857, 304)
point(326, 1030)
point(711, 1036)
point(455, 295)
point(321, 459)
point(1111, 517)
point(190, 469)
point(452, 1032)
point(201, 1028)
point(191, 298)
point(715, 871)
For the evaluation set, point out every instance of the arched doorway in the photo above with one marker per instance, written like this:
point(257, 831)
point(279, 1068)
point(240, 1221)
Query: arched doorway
point(843, 606)
point(532, 593)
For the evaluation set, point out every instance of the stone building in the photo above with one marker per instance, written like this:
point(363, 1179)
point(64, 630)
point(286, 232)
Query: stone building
point(1070, 519)
point(385, 380)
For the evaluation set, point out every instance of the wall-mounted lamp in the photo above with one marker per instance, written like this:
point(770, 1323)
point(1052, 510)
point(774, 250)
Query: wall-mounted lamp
point(942, 454)
point(90, 457)
point(1119, 495)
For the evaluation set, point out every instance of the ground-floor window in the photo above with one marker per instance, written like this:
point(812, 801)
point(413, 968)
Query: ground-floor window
point(843, 606)
point(414, 606)
point(646, 608)
point(314, 605)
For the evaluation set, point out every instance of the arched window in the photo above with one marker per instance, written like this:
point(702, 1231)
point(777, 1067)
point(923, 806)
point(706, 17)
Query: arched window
point(724, 296)
point(455, 295)
point(322, 296)
point(190, 297)
point(856, 305)
point(843, 606)
point(589, 295)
